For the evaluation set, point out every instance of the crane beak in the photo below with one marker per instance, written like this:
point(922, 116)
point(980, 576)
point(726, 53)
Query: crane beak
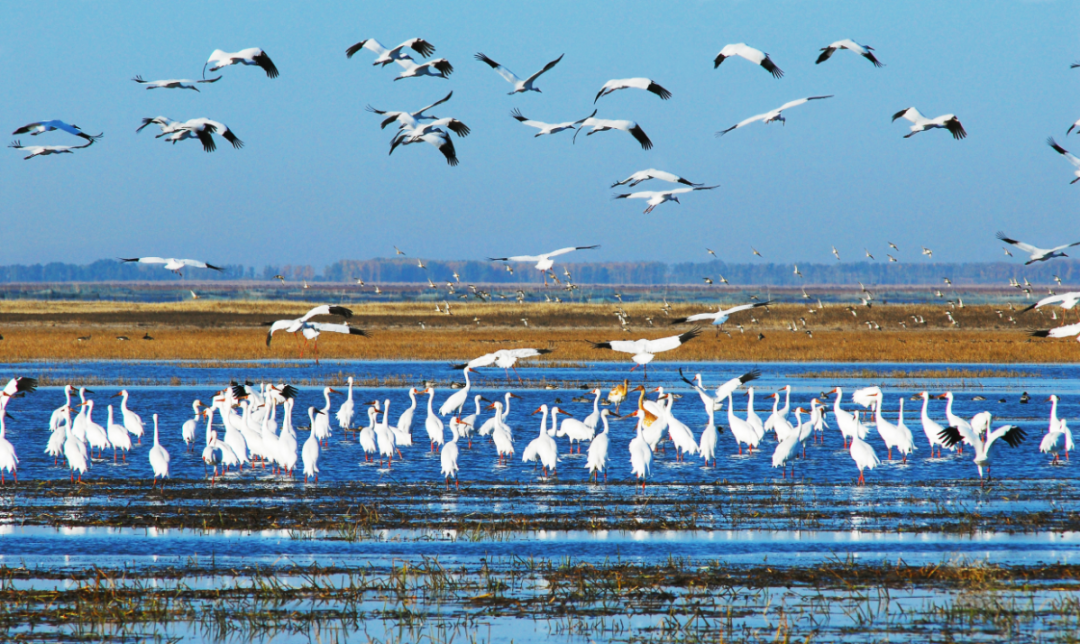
point(491, 406)
point(117, 395)
point(535, 412)
point(515, 396)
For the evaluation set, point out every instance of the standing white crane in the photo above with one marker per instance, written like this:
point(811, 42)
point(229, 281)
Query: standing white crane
point(1036, 254)
point(171, 263)
point(652, 173)
point(598, 450)
point(545, 261)
point(646, 84)
point(384, 56)
point(40, 127)
point(408, 119)
point(656, 197)
point(548, 128)
point(174, 83)
point(755, 56)
point(249, 56)
point(603, 125)
point(159, 458)
point(46, 150)
point(920, 123)
point(643, 351)
point(520, 85)
point(721, 316)
point(863, 50)
point(456, 401)
point(773, 115)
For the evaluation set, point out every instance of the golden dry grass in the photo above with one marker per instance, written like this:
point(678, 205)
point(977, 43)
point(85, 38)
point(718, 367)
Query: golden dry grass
point(231, 330)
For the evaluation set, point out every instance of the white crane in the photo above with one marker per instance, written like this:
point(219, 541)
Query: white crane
point(456, 401)
point(1060, 332)
point(1066, 301)
point(202, 129)
point(172, 264)
point(1011, 434)
point(437, 138)
point(652, 173)
point(548, 128)
point(159, 458)
point(603, 125)
point(863, 50)
point(772, 115)
point(721, 316)
point(310, 453)
point(643, 351)
point(384, 56)
point(646, 84)
point(920, 123)
point(545, 261)
point(9, 461)
point(543, 447)
point(656, 197)
point(520, 85)
point(1036, 254)
point(249, 56)
point(45, 150)
point(755, 56)
point(174, 83)
point(1063, 152)
point(40, 127)
point(596, 461)
point(408, 119)
point(438, 68)
point(504, 359)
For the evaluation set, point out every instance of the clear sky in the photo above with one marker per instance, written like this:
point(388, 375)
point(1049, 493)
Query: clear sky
point(314, 183)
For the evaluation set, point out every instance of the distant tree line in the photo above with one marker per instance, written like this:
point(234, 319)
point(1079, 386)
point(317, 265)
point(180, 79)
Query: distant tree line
point(404, 270)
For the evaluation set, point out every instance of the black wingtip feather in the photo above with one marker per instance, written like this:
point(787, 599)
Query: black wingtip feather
point(690, 335)
point(342, 311)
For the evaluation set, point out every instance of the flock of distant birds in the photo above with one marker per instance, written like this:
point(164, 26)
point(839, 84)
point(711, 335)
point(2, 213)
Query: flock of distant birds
point(248, 415)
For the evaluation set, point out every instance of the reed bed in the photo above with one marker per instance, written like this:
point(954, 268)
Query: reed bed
point(198, 330)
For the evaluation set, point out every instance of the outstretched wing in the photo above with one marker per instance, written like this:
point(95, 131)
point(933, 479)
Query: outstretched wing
point(510, 76)
point(546, 68)
point(744, 123)
point(1027, 248)
point(800, 101)
point(146, 260)
point(199, 264)
point(563, 251)
point(622, 346)
point(275, 327)
point(336, 328)
point(671, 342)
point(420, 111)
point(262, 60)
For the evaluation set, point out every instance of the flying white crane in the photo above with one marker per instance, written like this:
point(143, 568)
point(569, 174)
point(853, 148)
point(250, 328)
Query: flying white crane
point(172, 264)
point(166, 124)
point(656, 197)
point(862, 50)
point(438, 68)
point(386, 56)
point(772, 115)
point(755, 56)
point(40, 127)
point(437, 138)
point(548, 128)
point(45, 150)
point(643, 351)
point(603, 125)
point(504, 359)
point(249, 56)
point(174, 83)
point(311, 330)
point(652, 173)
point(920, 123)
point(1066, 301)
point(1059, 332)
point(545, 261)
point(520, 85)
point(408, 119)
point(1068, 156)
point(635, 83)
point(415, 134)
point(202, 129)
point(1036, 254)
point(721, 316)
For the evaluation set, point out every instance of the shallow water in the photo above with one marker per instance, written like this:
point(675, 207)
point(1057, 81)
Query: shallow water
point(343, 459)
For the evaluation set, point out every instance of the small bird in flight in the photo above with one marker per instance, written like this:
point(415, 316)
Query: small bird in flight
point(868, 253)
point(893, 246)
point(835, 252)
point(756, 252)
point(710, 251)
point(926, 251)
point(398, 251)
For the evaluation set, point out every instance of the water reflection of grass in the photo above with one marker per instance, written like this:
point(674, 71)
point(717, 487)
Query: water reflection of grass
point(528, 599)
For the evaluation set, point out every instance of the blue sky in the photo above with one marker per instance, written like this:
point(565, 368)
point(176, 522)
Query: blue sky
point(314, 183)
